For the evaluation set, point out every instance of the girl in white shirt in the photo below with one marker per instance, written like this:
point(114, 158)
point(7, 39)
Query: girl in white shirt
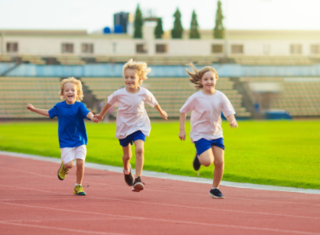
point(206, 132)
point(133, 123)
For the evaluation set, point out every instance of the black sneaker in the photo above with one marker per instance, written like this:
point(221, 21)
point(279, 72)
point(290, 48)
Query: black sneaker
point(138, 185)
point(216, 193)
point(196, 163)
point(129, 178)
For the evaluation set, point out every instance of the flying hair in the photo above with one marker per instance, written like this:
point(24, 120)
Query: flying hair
point(141, 69)
point(78, 85)
point(197, 75)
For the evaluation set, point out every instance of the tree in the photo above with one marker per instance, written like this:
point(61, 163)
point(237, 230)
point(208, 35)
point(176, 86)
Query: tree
point(218, 31)
point(138, 22)
point(158, 31)
point(177, 30)
point(194, 33)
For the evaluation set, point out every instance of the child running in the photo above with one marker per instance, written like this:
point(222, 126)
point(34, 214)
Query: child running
point(133, 123)
point(206, 132)
point(71, 129)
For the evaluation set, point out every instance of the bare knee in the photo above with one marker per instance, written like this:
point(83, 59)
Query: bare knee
point(126, 157)
point(219, 164)
point(80, 163)
point(139, 152)
point(206, 162)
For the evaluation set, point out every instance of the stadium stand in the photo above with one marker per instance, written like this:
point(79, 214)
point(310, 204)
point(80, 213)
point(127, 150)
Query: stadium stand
point(300, 97)
point(32, 59)
point(70, 60)
point(272, 60)
point(171, 93)
point(5, 67)
point(16, 93)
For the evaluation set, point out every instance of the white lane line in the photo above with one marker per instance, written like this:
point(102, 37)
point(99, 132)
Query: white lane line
point(169, 176)
point(171, 221)
point(62, 229)
point(175, 205)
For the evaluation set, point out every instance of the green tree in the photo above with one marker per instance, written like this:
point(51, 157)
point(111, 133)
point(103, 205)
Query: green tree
point(177, 30)
point(218, 31)
point(194, 32)
point(158, 31)
point(138, 22)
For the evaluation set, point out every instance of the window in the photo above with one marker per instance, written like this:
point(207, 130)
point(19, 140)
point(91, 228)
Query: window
point(141, 48)
point(315, 49)
point(161, 48)
point(12, 47)
point(216, 48)
point(237, 49)
point(87, 48)
point(67, 48)
point(296, 49)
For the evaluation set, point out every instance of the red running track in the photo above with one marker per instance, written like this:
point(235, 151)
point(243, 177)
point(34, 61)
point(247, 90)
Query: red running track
point(33, 201)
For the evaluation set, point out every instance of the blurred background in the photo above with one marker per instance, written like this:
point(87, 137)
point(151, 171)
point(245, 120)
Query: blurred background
point(266, 52)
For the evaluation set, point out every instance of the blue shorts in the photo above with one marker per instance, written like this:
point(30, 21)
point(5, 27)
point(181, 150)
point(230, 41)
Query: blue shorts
point(203, 145)
point(138, 135)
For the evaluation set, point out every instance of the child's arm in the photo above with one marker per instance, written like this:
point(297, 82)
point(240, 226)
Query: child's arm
point(182, 120)
point(163, 113)
point(232, 120)
point(98, 117)
point(43, 112)
point(90, 116)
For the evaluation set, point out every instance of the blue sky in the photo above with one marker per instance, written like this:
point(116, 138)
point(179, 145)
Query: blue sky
point(95, 14)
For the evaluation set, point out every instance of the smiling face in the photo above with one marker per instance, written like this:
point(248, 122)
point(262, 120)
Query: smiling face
point(70, 93)
point(131, 79)
point(208, 81)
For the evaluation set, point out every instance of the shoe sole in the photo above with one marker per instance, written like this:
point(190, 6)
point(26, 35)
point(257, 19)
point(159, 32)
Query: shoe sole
point(79, 194)
point(213, 196)
point(138, 187)
point(193, 164)
point(131, 183)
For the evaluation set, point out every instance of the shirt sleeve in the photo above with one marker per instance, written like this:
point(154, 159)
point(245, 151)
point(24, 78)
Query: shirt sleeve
point(189, 105)
point(113, 99)
point(150, 99)
point(226, 106)
point(83, 110)
point(53, 112)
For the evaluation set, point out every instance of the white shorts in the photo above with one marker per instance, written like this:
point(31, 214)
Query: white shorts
point(68, 154)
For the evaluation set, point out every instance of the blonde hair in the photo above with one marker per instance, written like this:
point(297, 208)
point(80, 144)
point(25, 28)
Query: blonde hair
point(141, 69)
point(78, 85)
point(197, 75)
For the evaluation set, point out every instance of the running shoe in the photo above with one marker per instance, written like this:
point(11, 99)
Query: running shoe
point(216, 193)
point(138, 185)
point(129, 177)
point(62, 172)
point(196, 163)
point(78, 190)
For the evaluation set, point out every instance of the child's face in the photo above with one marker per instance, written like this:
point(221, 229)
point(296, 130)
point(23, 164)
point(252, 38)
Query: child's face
point(208, 81)
point(70, 93)
point(131, 79)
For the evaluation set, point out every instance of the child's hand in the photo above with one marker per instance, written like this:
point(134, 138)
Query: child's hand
point(97, 118)
point(30, 107)
point(182, 135)
point(233, 124)
point(164, 115)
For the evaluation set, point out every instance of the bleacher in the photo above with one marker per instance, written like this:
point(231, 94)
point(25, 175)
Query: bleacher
point(16, 93)
point(171, 93)
point(299, 96)
point(272, 60)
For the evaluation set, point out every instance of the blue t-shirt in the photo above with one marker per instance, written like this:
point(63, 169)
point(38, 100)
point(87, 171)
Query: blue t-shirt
point(71, 128)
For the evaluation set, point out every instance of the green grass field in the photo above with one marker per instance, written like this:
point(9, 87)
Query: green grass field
point(284, 153)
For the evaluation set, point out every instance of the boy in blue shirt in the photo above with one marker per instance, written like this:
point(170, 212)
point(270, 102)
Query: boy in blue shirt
point(71, 128)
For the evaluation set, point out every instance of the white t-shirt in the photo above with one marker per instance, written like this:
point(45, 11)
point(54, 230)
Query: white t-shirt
point(132, 115)
point(206, 114)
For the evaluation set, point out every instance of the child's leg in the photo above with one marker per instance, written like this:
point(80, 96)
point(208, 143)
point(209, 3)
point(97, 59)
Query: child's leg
point(127, 155)
point(206, 158)
point(80, 170)
point(68, 165)
point(139, 144)
point(218, 154)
